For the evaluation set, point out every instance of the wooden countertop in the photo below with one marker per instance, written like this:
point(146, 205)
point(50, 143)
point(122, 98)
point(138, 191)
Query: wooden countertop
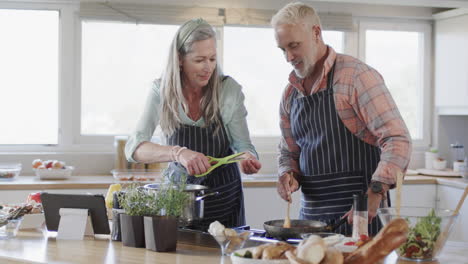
point(32, 246)
point(103, 182)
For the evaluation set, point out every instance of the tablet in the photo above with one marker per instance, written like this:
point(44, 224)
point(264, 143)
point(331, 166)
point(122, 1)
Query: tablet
point(52, 202)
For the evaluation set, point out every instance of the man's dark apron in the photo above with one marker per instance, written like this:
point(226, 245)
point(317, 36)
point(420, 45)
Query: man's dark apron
point(335, 163)
point(228, 206)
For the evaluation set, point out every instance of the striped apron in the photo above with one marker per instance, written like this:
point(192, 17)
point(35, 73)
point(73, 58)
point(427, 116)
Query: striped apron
point(228, 206)
point(335, 164)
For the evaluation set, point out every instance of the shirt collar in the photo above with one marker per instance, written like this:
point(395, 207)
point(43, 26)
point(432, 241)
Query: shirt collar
point(298, 83)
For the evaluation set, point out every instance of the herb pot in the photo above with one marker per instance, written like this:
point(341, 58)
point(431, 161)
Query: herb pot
point(161, 233)
point(194, 208)
point(133, 233)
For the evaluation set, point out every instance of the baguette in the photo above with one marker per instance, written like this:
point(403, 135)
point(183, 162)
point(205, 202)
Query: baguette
point(388, 239)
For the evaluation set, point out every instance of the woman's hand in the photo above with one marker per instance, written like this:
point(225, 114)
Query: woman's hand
point(251, 164)
point(194, 162)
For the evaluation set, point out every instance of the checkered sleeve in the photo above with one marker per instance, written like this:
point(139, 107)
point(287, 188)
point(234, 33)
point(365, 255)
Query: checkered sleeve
point(375, 106)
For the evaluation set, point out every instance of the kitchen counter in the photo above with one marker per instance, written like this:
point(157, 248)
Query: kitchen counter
point(32, 246)
point(103, 182)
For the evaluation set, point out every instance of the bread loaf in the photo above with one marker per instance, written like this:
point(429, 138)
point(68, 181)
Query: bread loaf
point(388, 239)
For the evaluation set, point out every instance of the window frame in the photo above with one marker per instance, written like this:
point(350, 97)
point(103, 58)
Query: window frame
point(71, 141)
point(426, 60)
point(66, 56)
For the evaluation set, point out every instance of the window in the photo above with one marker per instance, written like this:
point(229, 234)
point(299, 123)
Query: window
point(29, 83)
point(119, 63)
point(259, 66)
point(400, 53)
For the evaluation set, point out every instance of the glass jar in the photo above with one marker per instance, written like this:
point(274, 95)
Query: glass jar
point(360, 215)
point(458, 152)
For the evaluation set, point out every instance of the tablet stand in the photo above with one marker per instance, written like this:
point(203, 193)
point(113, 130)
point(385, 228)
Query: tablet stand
point(74, 224)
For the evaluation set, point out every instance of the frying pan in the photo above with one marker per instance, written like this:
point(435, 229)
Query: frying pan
point(274, 228)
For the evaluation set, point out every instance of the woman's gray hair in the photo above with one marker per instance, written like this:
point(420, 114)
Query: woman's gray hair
point(171, 82)
point(296, 13)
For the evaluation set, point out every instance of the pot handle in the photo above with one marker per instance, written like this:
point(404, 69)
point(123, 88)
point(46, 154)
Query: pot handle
point(199, 198)
point(332, 228)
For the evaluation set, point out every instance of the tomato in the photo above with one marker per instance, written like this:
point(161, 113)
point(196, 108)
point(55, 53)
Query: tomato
point(350, 243)
point(35, 197)
point(363, 238)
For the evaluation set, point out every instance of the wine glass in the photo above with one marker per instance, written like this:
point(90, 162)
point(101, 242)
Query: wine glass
point(232, 242)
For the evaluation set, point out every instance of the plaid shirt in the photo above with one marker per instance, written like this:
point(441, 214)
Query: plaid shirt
point(366, 108)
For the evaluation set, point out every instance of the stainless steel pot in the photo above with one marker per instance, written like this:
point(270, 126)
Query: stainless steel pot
point(194, 209)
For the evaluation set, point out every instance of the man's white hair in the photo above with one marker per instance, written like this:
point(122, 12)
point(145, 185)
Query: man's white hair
point(296, 13)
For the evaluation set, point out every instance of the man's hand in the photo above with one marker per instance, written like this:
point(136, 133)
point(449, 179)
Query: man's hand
point(373, 203)
point(251, 164)
point(286, 185)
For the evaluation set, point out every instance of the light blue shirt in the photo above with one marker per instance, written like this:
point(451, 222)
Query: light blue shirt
point(233, 115)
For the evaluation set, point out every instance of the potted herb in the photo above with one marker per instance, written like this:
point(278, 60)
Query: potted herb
point(167, 204)
point(135, 203)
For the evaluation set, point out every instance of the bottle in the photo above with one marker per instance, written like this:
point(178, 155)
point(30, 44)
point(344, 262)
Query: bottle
point(116, 232)
point(458, 156)
point(360, 214)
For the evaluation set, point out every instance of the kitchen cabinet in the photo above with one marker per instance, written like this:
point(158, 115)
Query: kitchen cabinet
point(19, 196)
point(447, 198)
point(416, 195)
point(451, 62)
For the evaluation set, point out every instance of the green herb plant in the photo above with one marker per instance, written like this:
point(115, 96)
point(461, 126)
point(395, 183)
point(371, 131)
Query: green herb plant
point(170, 199)
point(136, 201)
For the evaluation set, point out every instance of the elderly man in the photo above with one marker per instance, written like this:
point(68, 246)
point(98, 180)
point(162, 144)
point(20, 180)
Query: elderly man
point(342, 133)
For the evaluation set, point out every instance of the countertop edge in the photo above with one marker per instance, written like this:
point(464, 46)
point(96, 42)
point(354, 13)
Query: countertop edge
point(103, 182)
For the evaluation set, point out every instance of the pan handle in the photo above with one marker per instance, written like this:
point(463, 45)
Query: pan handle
point(199, 198)
point(333, 227)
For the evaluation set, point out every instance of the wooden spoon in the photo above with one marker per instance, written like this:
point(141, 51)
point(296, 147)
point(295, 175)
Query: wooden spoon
point(399, 185)
point(287, 220)
point(443, 236)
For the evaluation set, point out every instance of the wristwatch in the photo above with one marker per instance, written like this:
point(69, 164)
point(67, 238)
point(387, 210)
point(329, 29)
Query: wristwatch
point(377, 187)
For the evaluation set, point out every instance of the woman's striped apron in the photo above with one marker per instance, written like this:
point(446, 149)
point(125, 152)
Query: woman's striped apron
point(228, 206)
point(335, 164)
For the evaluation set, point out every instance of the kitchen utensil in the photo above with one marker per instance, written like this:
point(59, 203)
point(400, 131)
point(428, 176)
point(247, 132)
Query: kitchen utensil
point(194, 209)
point(439, 173)
point(275, 228)
point(399, 185)
point(424, 240)
point(216, 162)
point(287, 220)
point(445, 233)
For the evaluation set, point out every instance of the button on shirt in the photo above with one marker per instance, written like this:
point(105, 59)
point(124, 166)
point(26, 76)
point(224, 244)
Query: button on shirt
point(364, 105)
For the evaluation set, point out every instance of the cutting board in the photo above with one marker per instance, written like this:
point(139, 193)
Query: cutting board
point(439, 173)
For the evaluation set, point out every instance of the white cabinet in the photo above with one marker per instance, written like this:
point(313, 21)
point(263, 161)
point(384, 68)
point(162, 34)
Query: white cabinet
point(20, 196)
point(447, 198)
point(416, 195)
point(264, 204)
point(451, 63)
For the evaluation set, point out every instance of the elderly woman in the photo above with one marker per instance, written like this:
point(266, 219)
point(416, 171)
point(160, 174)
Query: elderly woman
point(201, 113)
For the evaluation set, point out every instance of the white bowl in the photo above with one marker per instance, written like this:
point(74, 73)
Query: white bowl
point(240, 260)
point(439, 164)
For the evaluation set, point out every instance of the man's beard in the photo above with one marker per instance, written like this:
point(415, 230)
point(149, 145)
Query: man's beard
point(302, 73)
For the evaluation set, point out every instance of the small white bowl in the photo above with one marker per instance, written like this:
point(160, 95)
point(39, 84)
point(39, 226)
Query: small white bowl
point(439, 164)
